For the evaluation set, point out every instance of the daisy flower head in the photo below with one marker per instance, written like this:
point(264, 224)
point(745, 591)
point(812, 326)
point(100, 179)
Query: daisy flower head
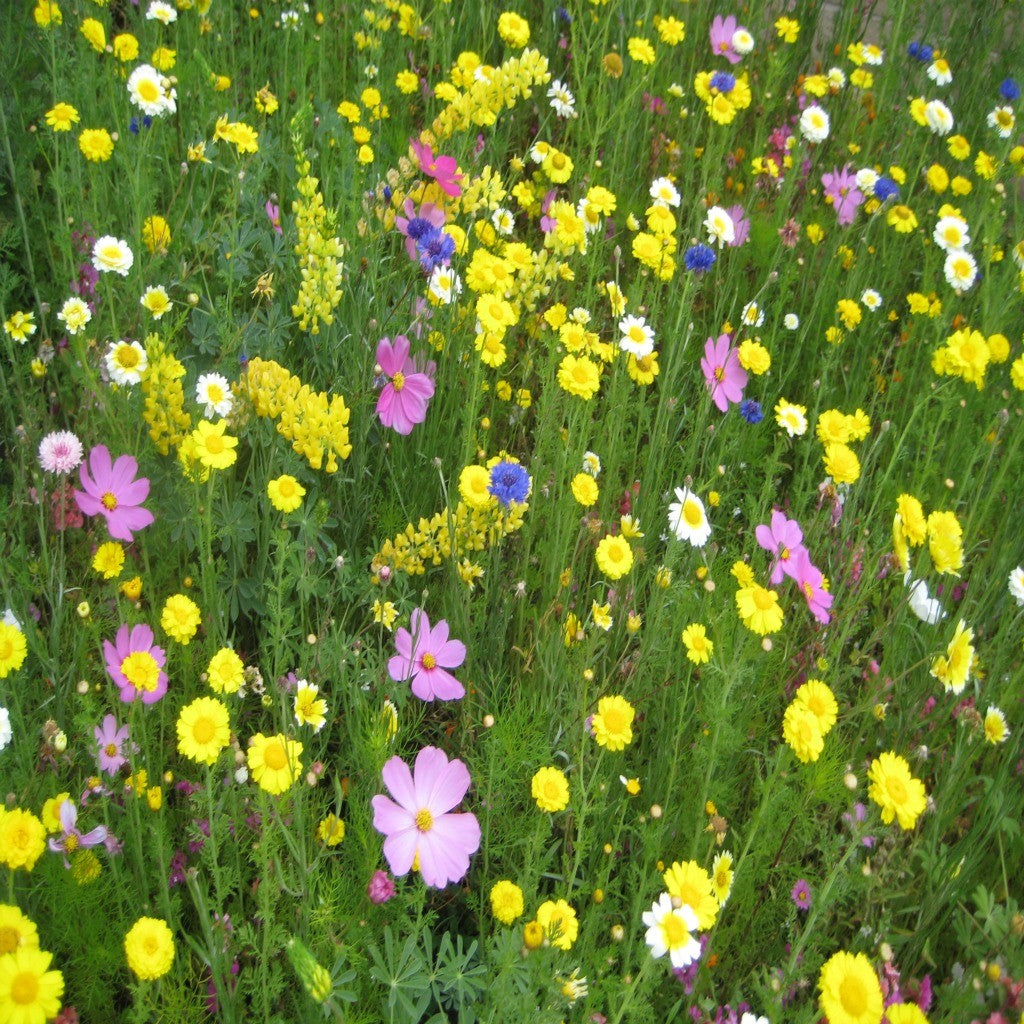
point(1015, 584)
point(20, 326)
point(895, 790)
point(550, 789)
point(112, 255)
point(791, 321)
point(953, 669)
point(928, 609)
point(814, 124)
point(996, 730)
point(1002, 120)
point(960, 270)
point(417, 819)
point(29, 990)
point(75, 314)
point(791, 417)
point(60, 452)
point(156, 300)
point(61, 117)
point(742, 41)
point(149, 91)
point(592, 465)
point(160, 10)
point(212, 447)
point(871, 299)
point(285, 493)
point(759, 609)
point(149, 948)
point(274, 762)
point(214, 393)
point(614, 556)
point(136, 664)
point(126, 361)
point(939, 71)
point(938, 117)
point(13, 649)
point(752, 315)
point(637, 336)
point(849, 992)
point(671, 930)
point(444, 285)
point(952, 233)
point(111, 490)
point(562, 100)
point(687, 518)
point(6, 735)
point(721, 877)
point(613, 724)
point(720, 226)
point(664, 192)
point(424, 655)
point(698, 647)
point(309, 708)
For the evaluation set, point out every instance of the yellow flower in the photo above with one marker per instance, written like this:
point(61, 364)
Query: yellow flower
point(953, 669)
point(820, 701)
point(16, 930)
point(584, 489)
point(22, 838)
point(613, 723)
point(225, 673)
point(94, 34)
point(901, 217)
point(13, 649)
point(849, 990)
point(841, 463)
point(759, 609)
point(787, 29)
point(149, 948)
point(331, 830)
point(550, 788)
point(285, 493)
point(558, 919)
point(802, 732)
point(180, 618)
point(163, 58)
point(385, 613)
point(754, 357)
point(721, 877)
point(614, 556)
point(274, 762)
point(506, 901)
point(514, 30)
point(109, 560)
point(30, 993)
point(95, 144)
point(691, 884)
point(156, 234)
point(61, 117)
point(698, 647)
point(310, 709)
point(640, 50)
point(579, 376)
point(895, 790)
point(204, 730)
point(213, 448)
point(126, 47)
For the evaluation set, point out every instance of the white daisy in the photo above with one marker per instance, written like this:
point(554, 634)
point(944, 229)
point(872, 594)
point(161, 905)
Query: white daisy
point(664, 193)
point(126, 361)
point(160, 11)
point(720, 227)
point(670, 930)
point(112, 255)
point(74, 315)
point(938, 116)
point(687, 518)
point(562, 100)
point(637, 336)
point(814, 124)
point(444, 285)
point(214, 393)
point(960, 270)
point(1016, 585)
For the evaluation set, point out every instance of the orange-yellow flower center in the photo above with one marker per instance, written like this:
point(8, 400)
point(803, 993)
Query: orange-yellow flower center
point(428, 661)
point(109, 501)
point(398, 381)
point(424, 820)
point(24, 988)
point(274, 756)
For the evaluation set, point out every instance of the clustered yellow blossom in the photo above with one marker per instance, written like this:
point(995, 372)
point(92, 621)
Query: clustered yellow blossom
point(164, 410)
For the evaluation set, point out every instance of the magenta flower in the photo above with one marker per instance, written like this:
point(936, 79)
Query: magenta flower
point(110, 743)
point(416, 223)
point(380, 887)
point(841, 188)
point(418, 825)
point(424, 654)
point(810, 580)
point(784, 539)
point(722, 31)
point(723, 374)
point(136, 664)
point(404, 399)
point(443, 169)
point(274, 213)
point(741, 225)
point(113, 492)
point(70, 838)
point(801, 895)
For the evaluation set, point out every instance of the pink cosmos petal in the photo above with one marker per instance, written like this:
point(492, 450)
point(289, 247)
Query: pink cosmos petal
point(400, 667)
point(419, 386)
point(140, 638)
point(398, 780)
point(436, 684)
point(134, 492)
point(438, 635)
point(400, 850)
point(99, 464)
point(419, 629)
point(123, 472)
point(392, 356)
point(88, 504)
point(450, 655)
point(443, 785)
point(128, 520)
point(445, 850)
point(389, 817)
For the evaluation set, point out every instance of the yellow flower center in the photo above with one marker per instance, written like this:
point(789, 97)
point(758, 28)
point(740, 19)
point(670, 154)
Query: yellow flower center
point(897, 789)
point(141, 670)
point(691, 513)
point(24, 988)
point(148, 91)
point(764, 599)
point(398, 381)
point(424, 820)
point(274, 756)
point(127, 357)
point(214, 444)
point(109, 501)
point(110, 750)
point(719, 373)
point(203, 730)
point(674, 929)
point(614, 720)
point(428, 661)
point(853, 995)
point(10, 938)
point(71, 844)
point(214, 392)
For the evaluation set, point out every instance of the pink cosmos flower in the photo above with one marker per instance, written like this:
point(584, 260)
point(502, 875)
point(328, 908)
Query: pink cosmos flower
point(60, 452)
point(741, 225)
point(841, 188)
point(274, 213)
point(722, 30)
point(418, 824)
point(380, 888)
point(416, 222)
point(784, 539)
point(424, 654)
point(70, 838)
point(404, 399)
point(113, 492)
point(136, 664)
point(443, 169)
point(110, 742)
point(723, 374)
point(809, 579)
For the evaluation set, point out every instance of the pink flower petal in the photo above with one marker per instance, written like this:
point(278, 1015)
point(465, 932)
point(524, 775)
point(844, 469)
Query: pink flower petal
point(399, 782)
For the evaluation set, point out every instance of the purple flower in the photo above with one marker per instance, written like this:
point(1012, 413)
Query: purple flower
point(801, 894)
point(415, 223)
point(699, 258)
point(741, 225)
point(418, 824)
point(724, 376)
point(810, 580)
point(274, 213)
point(424, 654)
point(70, 839)
point(136, 664)
point(435, 248)
point(443, 169)
point(784, 539)
point(381, 888)
point(113, 492)
point(60, 452)
point(110, 743)
point(750, 410)
point(841, 189)
point(403, 401)
point(509, 482)
point(722, 31)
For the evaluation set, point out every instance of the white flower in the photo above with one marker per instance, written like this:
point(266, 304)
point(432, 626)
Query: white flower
point(156, 300)
point(866, 178)
point(10, 619)
point(926, 608)
point(871, 299)
point(150, 92)
point(587, 213)
point(74, 314)
point(1002, 120)
point(637, 336)
point(749, 1018)
point(562, 100)
point(939, 72)
point(670, 930)
point(214, 393)
point(791, 321)
point(592, 464)
point(126, 361)
point(952, 233)
point(814, 124)
point(720, 226)
point(836, 78)
point(503, 220)
point(687, 518)
point(110, 254)
point(6, 735)
point(1016, 585)
point(995, 726)
point(742, 41)
point(162, 12)
point(241, 774)
point(938, 116)
point(752, 315)
point(960, 270)
point(872, 54)
point(444, 285)
point(664, 193)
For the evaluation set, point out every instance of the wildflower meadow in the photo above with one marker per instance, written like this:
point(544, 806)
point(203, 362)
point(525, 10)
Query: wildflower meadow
point(512, 511)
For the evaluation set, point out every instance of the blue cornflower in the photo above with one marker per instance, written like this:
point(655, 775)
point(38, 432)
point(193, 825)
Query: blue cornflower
point(699, 258)
point(925, 54)
point(435, 248)
point(1009, 89)
point(723, 82)
point(563, 15)
point(509, 482)
point(417, 227)
point(914, 48)
point(134, 124)
point(388, 193)
point(886, 188)
point(751, 410)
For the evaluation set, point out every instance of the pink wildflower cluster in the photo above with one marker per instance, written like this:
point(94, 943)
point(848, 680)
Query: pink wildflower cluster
point(784, 539)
